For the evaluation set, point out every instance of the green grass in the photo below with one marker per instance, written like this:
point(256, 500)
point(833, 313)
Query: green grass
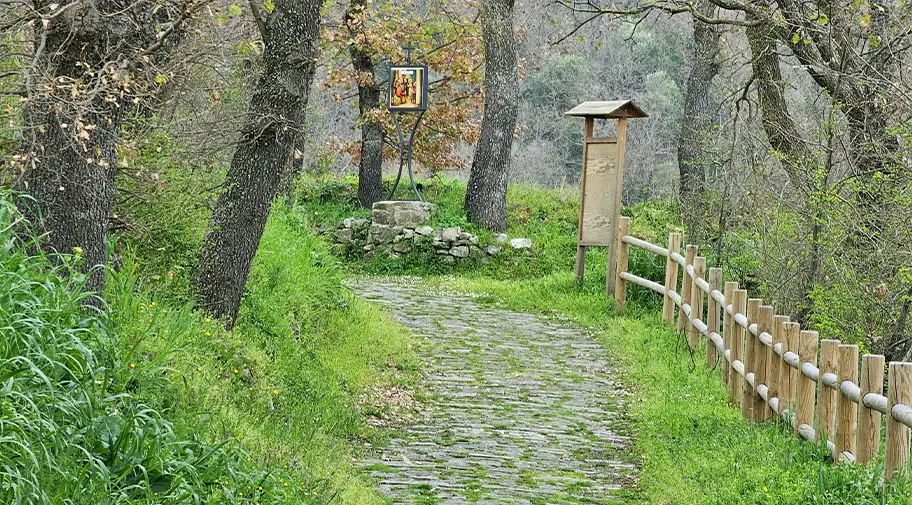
point(692, 445)
point(548, 217)
point(149, 401)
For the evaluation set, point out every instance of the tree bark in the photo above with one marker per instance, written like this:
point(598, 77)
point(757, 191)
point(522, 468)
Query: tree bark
point(85, 80)
point(780, 129)
point(695, 139)
point(370, 164)
point(486, 194)
point(796, 157)
point(291, 37)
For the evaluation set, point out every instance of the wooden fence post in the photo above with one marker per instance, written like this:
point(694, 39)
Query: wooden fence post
point(774, 362)
point(686, 285)
point(712, 318)
point(872, 374)
point(764, 325)
point(826, 397)
point(735, 381)
point(728, 334)
point(696, 302)
point(896, 460)
point(748, 392)
point(846, 409)
point(623, 249)
point(671, 277)
point(807, 353)
point(788, 378)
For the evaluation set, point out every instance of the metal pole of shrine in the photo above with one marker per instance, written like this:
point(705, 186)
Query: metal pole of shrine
point(408, 92)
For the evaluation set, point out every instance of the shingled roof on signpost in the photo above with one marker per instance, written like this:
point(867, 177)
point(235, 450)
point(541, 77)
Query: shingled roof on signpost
point(617, 109)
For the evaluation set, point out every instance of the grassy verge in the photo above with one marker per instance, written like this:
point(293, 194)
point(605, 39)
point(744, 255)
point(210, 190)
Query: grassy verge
point(149, 401)
point(693, 447)
point(548, 217)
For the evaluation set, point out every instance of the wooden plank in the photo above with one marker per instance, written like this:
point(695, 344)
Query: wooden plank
point(727, 332)
point(736, 380)
point(762, 409)
point(613, 109)
point(618, 192)
point(899, 391)
point(871, 381)
point(686, 285)
point(588, 129)
point(788, 376)
point(846, 409)
point(774, 361)
point(620, 288)
point(671, 277)
point(712, 317)
point(826, 397)
point(696, 302)
point(748, 393)
point(807, 353)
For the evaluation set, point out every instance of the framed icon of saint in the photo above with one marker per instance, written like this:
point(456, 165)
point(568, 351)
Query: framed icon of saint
point(408, 88)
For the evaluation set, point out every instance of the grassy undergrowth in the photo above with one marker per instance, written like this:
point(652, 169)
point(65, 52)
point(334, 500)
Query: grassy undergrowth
point(549, 217)
point(149, 401)
point(694, 448)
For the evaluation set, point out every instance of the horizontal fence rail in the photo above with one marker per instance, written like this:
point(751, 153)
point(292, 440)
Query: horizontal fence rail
point(772, 368)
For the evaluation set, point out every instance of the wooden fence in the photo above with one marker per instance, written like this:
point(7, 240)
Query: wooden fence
point(772, 367)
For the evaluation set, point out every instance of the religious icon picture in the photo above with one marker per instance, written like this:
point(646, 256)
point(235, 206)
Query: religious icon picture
point(408, 88)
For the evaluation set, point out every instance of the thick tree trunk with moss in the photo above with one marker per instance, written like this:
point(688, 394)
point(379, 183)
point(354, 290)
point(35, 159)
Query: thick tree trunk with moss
point(81, 87)
point(486, 194)
point(291, 35)
point(795, 155)
point(370, 165)
point(695, 139)
point(780, 129)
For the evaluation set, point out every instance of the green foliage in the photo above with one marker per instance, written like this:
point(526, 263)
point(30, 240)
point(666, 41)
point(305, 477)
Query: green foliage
point(73, 428)
point(164, 205)
point(284, 384)
point(149, 401)
point(548, 217)
point(560, 85)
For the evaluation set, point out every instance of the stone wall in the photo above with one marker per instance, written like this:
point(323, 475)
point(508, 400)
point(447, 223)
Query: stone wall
point(397, 228)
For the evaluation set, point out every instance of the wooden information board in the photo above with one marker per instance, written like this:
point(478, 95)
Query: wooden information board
point(600, 186)
point(602, 179)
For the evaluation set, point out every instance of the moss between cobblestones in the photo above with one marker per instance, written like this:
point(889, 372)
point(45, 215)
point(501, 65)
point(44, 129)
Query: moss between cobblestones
point(507, 421)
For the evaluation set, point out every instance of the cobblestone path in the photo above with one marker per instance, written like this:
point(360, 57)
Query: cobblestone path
point(520, 409)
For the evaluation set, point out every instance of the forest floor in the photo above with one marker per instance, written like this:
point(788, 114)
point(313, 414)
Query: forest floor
point(518, 409)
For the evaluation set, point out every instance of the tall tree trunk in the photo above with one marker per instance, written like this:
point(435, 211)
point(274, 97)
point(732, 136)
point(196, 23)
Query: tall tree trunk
point(370, 164)
point(486, 194)
point(291, 34)
point(695, 139)
point(796, 157)
point(780, 129)
point(80, 89)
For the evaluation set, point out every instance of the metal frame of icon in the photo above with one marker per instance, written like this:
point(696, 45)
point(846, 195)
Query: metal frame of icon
point(401, 96)
point(408, 92)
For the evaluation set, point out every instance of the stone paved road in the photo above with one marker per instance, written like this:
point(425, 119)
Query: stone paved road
point(521, 409)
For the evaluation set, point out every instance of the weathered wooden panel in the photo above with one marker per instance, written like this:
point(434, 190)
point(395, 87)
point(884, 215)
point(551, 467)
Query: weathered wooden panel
point(599, 193)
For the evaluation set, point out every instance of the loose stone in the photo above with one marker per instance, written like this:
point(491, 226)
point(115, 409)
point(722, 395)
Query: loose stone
point(521, 243)
point(460, 251)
